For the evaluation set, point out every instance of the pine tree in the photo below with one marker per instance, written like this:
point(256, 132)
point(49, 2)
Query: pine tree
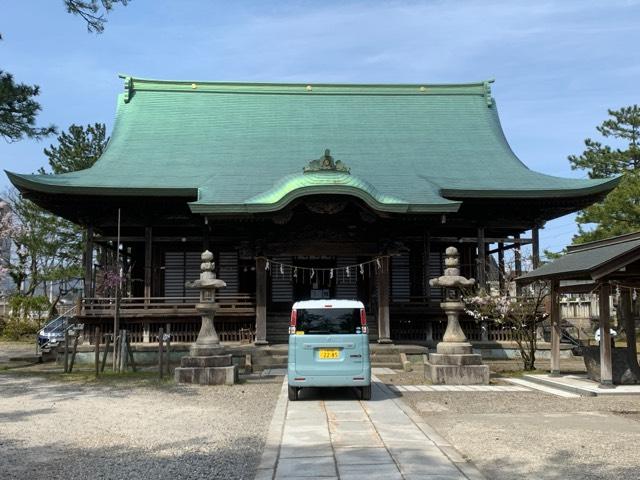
point(619, 212)
point(49, 248)
point(92, 11)
point(78, 149)
point(18, 110)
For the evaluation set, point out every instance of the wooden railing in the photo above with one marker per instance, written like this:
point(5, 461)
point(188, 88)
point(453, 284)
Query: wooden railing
point(236, 329)
point(139, 307)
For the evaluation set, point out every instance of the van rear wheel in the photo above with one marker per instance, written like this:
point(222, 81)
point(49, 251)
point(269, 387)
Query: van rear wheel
point(365, 393)
point(293, 393)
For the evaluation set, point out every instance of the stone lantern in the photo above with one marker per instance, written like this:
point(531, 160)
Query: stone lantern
point(207, 364)
point(454, 362)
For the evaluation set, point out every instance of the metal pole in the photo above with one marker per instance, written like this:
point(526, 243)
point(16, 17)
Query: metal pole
point(116, 313)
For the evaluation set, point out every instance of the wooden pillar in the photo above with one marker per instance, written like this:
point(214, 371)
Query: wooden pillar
point(261, 301)
point(88, 263)
point(629, 324)
point(535, 246)
point(425, 267)
point(148, 263)
point(518, 257)
point(606, 371)
point(481, 260)
point(384, 329)
point(555, 327)
point(205, 234)
point(517, 252)
point(501, 267)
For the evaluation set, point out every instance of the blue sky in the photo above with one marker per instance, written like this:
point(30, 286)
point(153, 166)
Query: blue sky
point(558, 65)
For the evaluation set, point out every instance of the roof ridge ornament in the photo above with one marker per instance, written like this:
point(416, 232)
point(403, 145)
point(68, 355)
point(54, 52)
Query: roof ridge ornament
point(486, 85)
point(128, 89)
point(326, 164)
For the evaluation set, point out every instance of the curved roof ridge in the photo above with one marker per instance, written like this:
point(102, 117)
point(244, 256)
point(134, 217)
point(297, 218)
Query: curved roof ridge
point(480, 83)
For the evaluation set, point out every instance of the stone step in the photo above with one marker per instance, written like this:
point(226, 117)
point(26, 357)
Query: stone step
point(385, 357)
point(395, 366)
point(211, 361)
point(207, 375)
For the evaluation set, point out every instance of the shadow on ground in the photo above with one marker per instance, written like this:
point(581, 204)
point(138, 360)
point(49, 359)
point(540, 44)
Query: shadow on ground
point(168, 460)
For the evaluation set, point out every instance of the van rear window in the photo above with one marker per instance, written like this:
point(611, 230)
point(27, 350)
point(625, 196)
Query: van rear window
point(318, 321)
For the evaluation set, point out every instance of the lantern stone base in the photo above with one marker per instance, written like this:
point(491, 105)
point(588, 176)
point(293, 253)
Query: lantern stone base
point(455, 364)
point(205, 351)
point(207, 370)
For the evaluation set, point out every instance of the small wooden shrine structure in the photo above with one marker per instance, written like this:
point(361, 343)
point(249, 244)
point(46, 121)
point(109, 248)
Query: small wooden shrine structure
point(604, 267)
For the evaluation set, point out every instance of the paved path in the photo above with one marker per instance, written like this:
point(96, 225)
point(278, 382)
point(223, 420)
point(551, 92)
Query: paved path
point(457, 388)
point(330, 434)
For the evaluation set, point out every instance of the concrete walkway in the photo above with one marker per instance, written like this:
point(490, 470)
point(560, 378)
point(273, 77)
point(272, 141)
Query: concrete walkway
point(330, 434)
point(581, 385)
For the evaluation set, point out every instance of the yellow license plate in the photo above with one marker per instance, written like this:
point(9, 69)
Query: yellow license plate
point(329, 353)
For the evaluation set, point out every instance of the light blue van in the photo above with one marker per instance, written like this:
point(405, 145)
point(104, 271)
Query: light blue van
point(329, 346)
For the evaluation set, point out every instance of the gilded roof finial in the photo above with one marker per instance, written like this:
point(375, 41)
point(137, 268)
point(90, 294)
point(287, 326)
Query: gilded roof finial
point(326, 163)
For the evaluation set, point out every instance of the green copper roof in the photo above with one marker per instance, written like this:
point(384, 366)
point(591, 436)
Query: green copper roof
point(238, 147)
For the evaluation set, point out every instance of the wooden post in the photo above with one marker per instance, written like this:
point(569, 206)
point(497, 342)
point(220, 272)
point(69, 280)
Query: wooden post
point(606, 371)
point(205, 234)
point(261, 301)
point(106, 352)
point(168, 349)
point(130, 352)
point(535, 246)
point(384, 329)
point(146, 332)
point(518, 262)
point(75, 349)
point(66, 349)
point(122, 357)
point(160, 352)
point(517, 257)
point(148, 261)
point(555, 327)
point(481, 271)
point(116, 330)
point(425, 268)
point(116, 310)
point(629, 324)
point(481, 260)
point(501, 268)
point(88, 262)
point(96, 358)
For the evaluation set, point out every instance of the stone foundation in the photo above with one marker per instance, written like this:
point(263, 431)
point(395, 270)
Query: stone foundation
point(207, 370)
point(455, 364)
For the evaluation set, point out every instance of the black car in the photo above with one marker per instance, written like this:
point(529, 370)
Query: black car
point(53, 332)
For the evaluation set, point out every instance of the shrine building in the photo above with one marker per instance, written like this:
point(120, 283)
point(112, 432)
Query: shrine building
point(301, 191)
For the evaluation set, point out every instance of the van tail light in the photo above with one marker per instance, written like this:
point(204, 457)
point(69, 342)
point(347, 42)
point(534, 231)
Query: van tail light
point(363, 321)
point(293, 321)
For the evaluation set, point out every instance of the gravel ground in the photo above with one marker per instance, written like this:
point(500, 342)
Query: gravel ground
point(52, 429)
point(15, 349)
point(538, 436)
